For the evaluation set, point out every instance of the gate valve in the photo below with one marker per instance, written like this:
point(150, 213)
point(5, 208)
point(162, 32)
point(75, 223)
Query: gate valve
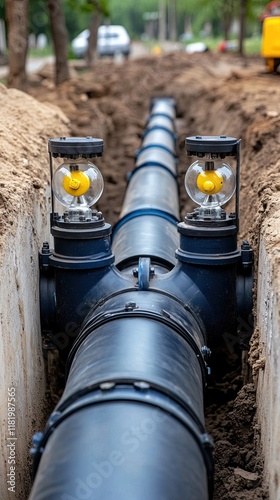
point(77, 183)
point(210, 182)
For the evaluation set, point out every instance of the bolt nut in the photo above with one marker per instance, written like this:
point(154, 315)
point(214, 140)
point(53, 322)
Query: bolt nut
point(53, 418)
point(207, 441)
point(206, 352)
point(141, 385)
point(45, 248)
point(36, 439)
point(129, 306)
point(107, 386)
point(99, 215)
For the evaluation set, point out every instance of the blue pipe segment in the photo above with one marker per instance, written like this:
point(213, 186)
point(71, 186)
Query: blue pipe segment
point(151, 204)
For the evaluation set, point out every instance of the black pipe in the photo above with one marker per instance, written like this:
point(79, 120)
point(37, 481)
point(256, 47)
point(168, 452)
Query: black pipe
point(130, 423)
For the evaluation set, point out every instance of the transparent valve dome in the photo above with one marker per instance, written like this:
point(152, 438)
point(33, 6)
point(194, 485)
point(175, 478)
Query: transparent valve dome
point(78, 185)
point(210, 184)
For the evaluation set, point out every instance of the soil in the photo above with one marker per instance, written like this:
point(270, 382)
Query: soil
point(25, 126)
point(215, 95)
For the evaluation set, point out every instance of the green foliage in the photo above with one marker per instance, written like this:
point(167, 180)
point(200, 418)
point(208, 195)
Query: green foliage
point(90, 6)
point(77, 15)
point(129, 13)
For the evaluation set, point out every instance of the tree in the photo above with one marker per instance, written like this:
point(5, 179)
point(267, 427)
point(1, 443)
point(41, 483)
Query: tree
point(162, 20)
point(96, 9)
point(172, 20)
point(60, 40)
point(242, 20)
point(228, 13)
point(91, 53)
point(17, 19)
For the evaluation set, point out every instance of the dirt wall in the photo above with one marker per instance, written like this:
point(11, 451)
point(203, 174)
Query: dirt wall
point(25, 126)
point(265, 352)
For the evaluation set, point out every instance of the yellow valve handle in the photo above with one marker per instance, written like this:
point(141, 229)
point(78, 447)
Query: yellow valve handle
point(76, 183)
point(210, 182)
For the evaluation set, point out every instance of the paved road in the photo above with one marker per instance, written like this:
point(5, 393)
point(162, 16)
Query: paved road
point(34, 64)
point(139, 49)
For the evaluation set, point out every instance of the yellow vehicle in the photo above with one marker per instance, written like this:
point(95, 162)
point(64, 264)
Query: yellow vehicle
point(271, 42)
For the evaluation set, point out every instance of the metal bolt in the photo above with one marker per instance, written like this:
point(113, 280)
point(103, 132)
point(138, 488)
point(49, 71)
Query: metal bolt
point(45, 247)
point(36, 439)
point(106, 386)
point(206, 352)
point(245, 245)
point(207, 441)
point(53, 418)
point(141, 385)
point(129, 306)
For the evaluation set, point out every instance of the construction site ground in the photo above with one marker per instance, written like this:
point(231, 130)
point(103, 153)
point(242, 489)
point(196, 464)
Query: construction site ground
point(215, 94)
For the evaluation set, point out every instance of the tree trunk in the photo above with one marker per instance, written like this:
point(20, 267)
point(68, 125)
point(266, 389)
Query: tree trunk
point(162, 20)
point(243, 13)
point(60, 40)
point(228, 7)
point(17, 18)
point(91, 54)
point(172, 20)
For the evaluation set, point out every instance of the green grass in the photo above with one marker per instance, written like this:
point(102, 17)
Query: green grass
point(253, 45)
point(47, 51)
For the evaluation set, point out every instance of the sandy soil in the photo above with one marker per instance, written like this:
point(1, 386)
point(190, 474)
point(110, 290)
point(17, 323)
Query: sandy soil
point(215, 95)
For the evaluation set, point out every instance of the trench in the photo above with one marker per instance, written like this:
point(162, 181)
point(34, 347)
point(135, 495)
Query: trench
point(242, 417)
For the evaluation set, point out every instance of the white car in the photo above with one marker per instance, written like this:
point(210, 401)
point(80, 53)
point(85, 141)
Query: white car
point(192, 48)
point(111, 40)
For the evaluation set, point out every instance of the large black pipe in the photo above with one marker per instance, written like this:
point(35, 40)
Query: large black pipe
point(130, 423)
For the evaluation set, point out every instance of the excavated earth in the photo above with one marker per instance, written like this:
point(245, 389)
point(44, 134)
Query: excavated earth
point(214, 95)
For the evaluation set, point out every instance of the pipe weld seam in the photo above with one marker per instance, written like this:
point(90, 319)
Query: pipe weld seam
point(165, 115)
point(121, 381)
point(159, 127)
point(160, 146)
point(132, 394)
point(153, 164)
point(142, 212)
point(113, 315)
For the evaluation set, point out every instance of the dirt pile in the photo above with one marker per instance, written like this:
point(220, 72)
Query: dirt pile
point(25, 126)
point(215, 95)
